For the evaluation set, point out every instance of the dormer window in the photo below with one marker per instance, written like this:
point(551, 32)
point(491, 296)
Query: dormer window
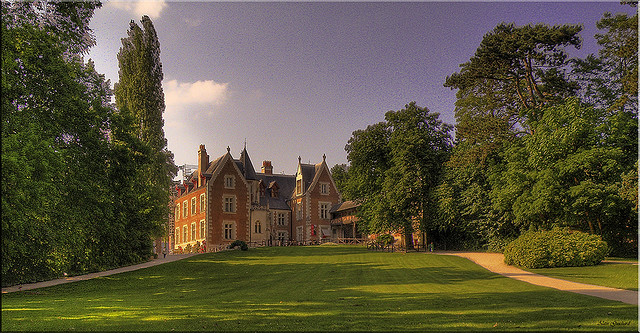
point(274, 189)
point(299, 186)
point(262, 189)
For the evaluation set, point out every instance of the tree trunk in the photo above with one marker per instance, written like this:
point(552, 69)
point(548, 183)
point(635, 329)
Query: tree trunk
point(408, 239)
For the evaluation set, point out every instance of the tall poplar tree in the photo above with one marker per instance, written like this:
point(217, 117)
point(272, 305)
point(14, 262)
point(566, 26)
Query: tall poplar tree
point(143, 167)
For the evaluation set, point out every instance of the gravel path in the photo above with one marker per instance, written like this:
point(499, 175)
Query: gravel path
point(494, 262)
point(154, 262)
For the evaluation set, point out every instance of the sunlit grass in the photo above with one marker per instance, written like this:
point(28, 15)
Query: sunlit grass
point(311, 288)
point(615, 275)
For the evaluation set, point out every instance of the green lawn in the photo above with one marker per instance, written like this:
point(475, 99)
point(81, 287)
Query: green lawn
point(623, 276)
point(311, 288)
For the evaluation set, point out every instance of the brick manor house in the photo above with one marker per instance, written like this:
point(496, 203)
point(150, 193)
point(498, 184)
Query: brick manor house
point(226, 199)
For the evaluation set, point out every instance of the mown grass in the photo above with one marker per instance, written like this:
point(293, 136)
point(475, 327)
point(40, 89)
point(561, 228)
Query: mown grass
point(323, 288)
point(615, 275)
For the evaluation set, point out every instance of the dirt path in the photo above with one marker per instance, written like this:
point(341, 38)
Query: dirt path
point(495, 263)
point(49, 283)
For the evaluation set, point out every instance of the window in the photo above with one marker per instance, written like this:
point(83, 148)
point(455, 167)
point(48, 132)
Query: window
point(193, 231)
point(184, 234)
point(324, 210)
point(282, 236)
point(202, 229)
point(193, 206)
point(274, 192)
point(299, 186)
point(177, 235)
point(229, 204)
point(228, 230)
point(185, 209)
point(299, 214)
point(229, 181)
point(324, 188)
point(258, 227)
point(281, 219)
point(177, 212)
point(299, 233)
point(202, 203)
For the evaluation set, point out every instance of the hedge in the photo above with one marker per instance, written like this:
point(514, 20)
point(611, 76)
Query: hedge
point(558, 247)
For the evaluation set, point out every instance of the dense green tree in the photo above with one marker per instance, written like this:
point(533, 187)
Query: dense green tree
point(394, 169)
point(340, 177)
point(420, 145)
point(520, 161)
point(567, 175)
point(141, 145)
point(610, 79)
point(54, 122)
point(514, 72)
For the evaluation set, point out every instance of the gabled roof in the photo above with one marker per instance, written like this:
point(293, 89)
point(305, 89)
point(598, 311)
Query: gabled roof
point(213, 166)
point(311, 174)
point(216, 166)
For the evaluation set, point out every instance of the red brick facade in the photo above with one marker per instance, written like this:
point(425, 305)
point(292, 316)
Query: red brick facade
point(226, 200)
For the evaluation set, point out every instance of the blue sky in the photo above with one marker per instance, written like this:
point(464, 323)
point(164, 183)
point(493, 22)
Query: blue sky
point(296, 79)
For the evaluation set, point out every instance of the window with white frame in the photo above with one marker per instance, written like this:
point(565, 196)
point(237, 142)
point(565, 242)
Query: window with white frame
point(229, 181)
point(177, 217)
point(324, 188)
point(193, 206)
point(184, 234)
point(228, 230)
point(282, 221)
point(202, 229)
point(177, 235)
point(324, 210)
point(193, 231)
point(185, 209)
point(202, 202)
point(229, 204)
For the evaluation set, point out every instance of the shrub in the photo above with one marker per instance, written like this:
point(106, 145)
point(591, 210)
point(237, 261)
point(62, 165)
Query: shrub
point(558, 247)
point(243, 246)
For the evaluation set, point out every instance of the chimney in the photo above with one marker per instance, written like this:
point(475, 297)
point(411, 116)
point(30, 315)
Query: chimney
point(267, 169)
point(203, 163)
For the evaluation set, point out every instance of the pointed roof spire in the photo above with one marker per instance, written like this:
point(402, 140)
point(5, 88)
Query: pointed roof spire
point(228, 149)
point(324, 157)
point(299, 159)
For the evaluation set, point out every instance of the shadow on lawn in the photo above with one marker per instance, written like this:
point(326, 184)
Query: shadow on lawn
point(272, 289)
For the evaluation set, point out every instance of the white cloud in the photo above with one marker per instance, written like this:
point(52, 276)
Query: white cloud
point(200, 92)
point(151, 8)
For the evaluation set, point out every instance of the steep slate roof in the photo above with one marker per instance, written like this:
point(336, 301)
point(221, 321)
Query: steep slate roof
point(308, 174)
point(286, 185)
point(213, 166)
point(245, 165)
